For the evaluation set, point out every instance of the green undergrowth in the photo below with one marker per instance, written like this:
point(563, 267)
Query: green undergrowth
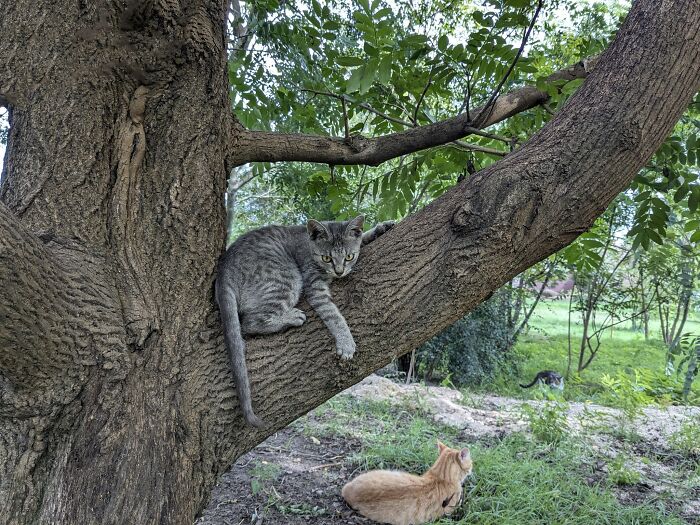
point(516, 480)
point(634, 357)
point(623, 350)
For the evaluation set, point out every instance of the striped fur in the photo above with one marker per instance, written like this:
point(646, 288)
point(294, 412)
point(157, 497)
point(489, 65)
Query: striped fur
point(400, 498)
point(263, 274)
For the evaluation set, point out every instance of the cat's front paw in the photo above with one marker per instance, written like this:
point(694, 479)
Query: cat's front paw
point(345, 347)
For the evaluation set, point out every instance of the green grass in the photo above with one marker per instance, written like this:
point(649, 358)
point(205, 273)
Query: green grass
point(545, 347)
point(515, 481)
point(392, 437)
point(518, 481)
point(550, 318)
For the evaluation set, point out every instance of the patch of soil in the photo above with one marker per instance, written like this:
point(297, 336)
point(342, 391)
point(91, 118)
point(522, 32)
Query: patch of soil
point(288, 479)
point(292, 478)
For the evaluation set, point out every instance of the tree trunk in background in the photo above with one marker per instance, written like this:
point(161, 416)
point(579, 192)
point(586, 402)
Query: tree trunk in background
point(116, 402)
point(403, 363)
point(687, 279)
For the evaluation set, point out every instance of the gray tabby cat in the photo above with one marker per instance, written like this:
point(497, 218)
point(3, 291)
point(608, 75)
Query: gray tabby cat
point(263, 274)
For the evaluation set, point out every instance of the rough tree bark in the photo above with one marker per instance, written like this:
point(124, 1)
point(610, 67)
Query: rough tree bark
point(116, 402)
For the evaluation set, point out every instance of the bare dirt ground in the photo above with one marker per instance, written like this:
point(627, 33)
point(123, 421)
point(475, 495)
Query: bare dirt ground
point(295, 478)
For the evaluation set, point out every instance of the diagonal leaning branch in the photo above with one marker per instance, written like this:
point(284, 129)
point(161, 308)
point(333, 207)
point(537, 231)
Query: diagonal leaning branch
point(266, 146)
point(442, 261)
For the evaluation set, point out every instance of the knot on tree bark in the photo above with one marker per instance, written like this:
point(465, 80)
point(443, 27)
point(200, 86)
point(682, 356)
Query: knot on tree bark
point(357, 143)
point(630, 134)
point(465, 220)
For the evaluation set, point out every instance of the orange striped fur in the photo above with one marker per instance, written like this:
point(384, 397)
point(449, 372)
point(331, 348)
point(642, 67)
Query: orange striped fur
point(399, 498)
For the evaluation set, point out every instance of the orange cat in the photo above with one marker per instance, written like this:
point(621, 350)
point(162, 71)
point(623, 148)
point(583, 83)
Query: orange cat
point(399, 498)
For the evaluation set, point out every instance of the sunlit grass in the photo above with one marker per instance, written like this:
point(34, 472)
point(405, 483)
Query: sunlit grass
point(516, 480)
point(546, 347)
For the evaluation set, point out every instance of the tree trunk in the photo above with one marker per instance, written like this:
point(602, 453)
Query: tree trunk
point(645, 306)
point(116, 402)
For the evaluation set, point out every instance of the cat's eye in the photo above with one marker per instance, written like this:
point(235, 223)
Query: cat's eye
point(350, 257)
point(326, 258)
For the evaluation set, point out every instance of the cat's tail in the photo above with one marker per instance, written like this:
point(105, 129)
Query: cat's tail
point(228, 309)
point(533, 382)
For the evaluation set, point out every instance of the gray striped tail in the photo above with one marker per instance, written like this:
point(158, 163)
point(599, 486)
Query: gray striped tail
point(228, 310)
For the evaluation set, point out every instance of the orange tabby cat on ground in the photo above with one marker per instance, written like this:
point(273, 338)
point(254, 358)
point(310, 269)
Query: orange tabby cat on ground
point(400, 498)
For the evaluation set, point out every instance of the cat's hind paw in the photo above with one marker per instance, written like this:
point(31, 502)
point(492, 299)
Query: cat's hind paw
point(296, 317)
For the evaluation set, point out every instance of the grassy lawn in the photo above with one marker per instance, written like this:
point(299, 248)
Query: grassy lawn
point(545, 347)
point(516, 479)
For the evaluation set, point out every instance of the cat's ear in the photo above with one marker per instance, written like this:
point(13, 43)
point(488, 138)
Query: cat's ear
point(355, 226)
point(441, 446)
point(464, 454)
point(316, 230)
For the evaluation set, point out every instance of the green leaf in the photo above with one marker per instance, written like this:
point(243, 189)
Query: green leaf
point(442, 42)
point(349, 61)
point(384, 72)
point(479, 18)
point(645, 241)
point(382, 13)
point(353, 83)
point(331, 25)
point(635, 243)
point(371, 50)
point(694, 199)
point(695, 237)
point(414, 40)
point(643, 196)
point(369, 72)
point(681, 192)
point(362, 18)
point(655, 237)
point(692, 225)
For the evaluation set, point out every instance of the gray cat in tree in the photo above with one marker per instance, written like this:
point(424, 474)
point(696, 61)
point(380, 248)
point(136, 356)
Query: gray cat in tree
point(264, 273)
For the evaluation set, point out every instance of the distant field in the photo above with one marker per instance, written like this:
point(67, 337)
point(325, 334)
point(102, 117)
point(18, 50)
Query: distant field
point(545, 347)
point(550, 318)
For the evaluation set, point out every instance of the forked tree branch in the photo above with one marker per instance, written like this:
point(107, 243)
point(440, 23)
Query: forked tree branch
point(440, 262)
point(266, 146)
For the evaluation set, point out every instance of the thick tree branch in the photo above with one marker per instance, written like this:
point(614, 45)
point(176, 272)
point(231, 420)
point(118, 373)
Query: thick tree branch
point(440, 262)
point(265, 146)
point(47, 283)
point(407, 124)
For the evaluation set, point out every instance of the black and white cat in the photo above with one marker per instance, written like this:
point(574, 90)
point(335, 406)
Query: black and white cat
point(548, 377)
point(264, 273)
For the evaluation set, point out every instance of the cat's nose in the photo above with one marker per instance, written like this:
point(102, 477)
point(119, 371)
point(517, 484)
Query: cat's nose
point(339, 272)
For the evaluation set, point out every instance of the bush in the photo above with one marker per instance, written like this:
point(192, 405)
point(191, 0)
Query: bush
point(627, 394)
point(472, 350)
point(686, 439)
point(620, 474)
point(547, 422)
